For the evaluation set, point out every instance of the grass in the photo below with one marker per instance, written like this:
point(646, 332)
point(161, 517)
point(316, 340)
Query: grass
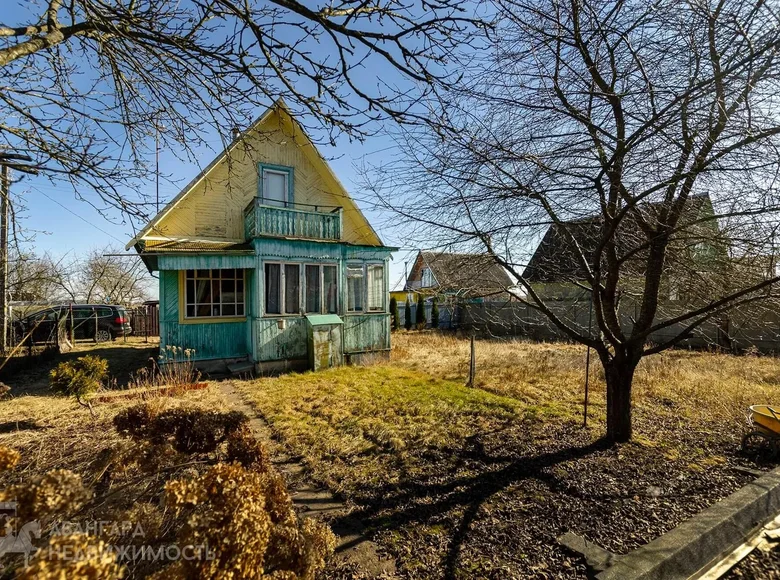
point(478, 482)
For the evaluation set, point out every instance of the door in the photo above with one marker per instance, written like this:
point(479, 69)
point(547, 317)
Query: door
point(275, 187)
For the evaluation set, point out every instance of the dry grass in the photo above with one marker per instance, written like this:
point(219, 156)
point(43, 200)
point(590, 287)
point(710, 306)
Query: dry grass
point(705, 388)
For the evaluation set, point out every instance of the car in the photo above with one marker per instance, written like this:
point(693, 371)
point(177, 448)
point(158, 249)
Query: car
point(99, 322)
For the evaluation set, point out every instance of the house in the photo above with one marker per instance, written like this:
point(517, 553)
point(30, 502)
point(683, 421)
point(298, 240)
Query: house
point(265, 252)
point(459, 276)
point(555, 270)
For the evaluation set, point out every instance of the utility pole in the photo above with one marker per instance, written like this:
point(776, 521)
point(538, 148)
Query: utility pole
point(157, 163)
point(5, 185)
point(7, 160)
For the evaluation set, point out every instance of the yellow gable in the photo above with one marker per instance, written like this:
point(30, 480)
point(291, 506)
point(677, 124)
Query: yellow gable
point(211, 207)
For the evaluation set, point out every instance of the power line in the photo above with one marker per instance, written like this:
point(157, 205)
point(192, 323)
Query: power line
point(85, 220)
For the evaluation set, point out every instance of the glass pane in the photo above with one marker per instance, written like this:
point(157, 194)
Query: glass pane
point(240, 309)
point(190, 292)
point(375, 287)
point(274, 188)
point(354, 289)
point(215, 292)
point(204, 310)
point(190, 310)
point(228, 294)
point(203, 273)
point(203, 292)
point(292, 288)
point(330, 287)
point(228, 310)
point(272, 285)
point(190, 274)
point(313, 289)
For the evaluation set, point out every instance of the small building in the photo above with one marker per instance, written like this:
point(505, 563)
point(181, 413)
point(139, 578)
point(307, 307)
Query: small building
point(457, 277)
point(259, 245)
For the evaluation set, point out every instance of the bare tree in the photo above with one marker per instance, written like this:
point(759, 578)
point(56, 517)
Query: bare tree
point(32, 278)
point(87, 83)
point(103, 276)
point(601, 126)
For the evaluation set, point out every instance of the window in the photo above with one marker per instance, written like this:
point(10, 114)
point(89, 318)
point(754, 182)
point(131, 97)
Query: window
point(275, 185)
point(330, 289)
point(273, 284)
point(354, 288)
point(292, 288)
point(214, 293)
point(427, 278)
point(287, 293)
point(375, 286)
point(313, 285)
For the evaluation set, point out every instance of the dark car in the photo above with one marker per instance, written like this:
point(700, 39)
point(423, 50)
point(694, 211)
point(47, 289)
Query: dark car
point(100, 322)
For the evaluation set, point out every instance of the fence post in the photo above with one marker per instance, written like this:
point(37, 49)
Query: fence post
point(472, 364)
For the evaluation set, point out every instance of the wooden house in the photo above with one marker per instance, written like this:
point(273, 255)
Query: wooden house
point(456, 277)
point(265, 252)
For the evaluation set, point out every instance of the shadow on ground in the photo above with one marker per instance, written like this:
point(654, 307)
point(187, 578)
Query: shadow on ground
point(124, 360)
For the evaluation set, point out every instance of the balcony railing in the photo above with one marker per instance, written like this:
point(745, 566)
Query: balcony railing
point(313, 222)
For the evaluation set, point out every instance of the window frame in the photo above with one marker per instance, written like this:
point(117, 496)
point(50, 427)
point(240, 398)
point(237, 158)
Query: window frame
point(301, 288)
point(184, 319)
point(362, 266)
point(262, 168)
point(383, 308)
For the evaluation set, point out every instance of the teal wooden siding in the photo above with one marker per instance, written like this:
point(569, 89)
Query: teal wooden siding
point(210, 340)
point(206, 261)
point(274, 343)
point(265, 220)
point(366, 332)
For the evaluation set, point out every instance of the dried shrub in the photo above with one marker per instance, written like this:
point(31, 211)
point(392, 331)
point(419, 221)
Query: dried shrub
point(188, 430)
point(243, 447)
point(148, 517)
point(5, 390)
point(79, 378)
point(57, 492)
point(8, 458)
point(75, 557)
point(246, 518)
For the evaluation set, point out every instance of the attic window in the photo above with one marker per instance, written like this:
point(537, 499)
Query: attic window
point(276, 185)
point(427, 278)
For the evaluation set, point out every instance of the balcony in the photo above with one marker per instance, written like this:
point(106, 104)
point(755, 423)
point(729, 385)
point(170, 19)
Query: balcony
point(310, 222)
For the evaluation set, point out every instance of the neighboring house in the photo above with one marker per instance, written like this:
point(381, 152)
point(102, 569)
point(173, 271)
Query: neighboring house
point(555, 269)
point(459, 276)
point(261, 250)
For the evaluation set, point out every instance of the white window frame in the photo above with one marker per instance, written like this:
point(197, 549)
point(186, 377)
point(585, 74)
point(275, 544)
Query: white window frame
point(301, 287)
point(383, 307)
point(362, 266)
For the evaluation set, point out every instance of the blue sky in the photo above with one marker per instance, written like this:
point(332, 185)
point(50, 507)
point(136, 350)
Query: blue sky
point(61, 224)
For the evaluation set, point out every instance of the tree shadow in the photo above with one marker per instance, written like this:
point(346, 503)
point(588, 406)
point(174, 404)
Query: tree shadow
point(15, 426)
point(411, 502)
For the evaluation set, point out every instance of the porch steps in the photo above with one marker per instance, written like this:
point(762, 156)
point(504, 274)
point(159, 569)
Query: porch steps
point(242, 367)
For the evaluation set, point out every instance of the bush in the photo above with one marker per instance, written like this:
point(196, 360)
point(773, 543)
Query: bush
point(435, 313)
point(408, 314)
point(394, 313)
point(247, 520)
point(8, 458)
point(95, 560)
point(248, 451)
point(57, 492)
point(188, 430)
point(420, 314)
point(79, 378)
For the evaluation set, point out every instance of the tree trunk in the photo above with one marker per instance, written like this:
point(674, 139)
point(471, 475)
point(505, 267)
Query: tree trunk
point(619, 376)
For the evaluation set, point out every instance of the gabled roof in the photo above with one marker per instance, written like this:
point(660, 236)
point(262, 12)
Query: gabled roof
point(471, 275)
point(557, 259)
point(312, 153)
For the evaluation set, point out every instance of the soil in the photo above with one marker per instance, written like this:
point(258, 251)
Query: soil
point(495, 508)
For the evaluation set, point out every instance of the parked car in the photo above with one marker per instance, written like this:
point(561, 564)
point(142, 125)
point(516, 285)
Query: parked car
point(100, 322)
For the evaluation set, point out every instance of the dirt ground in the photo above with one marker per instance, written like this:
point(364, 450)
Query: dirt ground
point(479, 483)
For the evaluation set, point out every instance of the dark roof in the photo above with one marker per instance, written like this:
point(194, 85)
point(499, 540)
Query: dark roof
point(557, 258)
point(176, 246)
point(468, 274)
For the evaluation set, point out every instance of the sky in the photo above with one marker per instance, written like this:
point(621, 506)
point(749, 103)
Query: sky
point(53, 220)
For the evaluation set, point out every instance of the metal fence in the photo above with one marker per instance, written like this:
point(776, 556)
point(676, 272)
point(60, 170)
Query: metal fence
point(757, 327)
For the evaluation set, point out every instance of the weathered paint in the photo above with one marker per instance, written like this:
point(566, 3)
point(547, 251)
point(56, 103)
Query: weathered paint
point(208, 340)
point(277, 343)
point(212, 207)
point(205, 261)
point(366, 332)
point(264, 220)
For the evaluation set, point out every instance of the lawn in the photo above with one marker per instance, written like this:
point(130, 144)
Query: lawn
point(462, 482)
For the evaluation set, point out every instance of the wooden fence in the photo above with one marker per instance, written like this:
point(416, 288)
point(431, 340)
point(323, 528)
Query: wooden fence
point(145, 320)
